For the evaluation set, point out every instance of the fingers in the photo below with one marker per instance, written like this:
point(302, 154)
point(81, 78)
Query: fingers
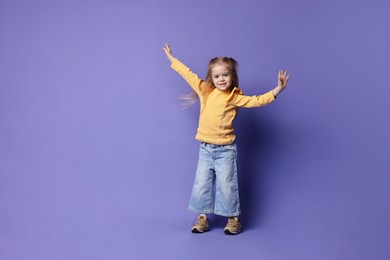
point(167, 48)
point(283, 74)
point(283, 77)
point(168, 52)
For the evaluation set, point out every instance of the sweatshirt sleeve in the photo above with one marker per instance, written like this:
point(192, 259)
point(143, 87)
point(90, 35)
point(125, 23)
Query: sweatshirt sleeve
point(192, 79)
point(240, 100)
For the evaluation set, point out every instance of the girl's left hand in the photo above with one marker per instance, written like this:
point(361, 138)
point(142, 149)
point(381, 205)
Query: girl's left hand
point(283, 78)
point(168, 52)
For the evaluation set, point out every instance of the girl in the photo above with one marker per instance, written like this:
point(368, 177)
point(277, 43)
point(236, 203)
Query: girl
point(220, 98)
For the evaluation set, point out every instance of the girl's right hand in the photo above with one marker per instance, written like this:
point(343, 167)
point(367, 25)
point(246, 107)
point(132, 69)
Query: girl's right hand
point(282, 82)
point(168, 52)
point(283, 78)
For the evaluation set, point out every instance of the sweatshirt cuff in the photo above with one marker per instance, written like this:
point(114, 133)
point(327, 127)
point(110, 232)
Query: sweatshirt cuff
point(271, 94)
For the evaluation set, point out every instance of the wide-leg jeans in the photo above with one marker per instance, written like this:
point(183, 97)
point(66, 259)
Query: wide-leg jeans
point(217, 166)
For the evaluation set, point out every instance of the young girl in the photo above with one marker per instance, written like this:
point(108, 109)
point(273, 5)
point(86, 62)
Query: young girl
point(220, 98)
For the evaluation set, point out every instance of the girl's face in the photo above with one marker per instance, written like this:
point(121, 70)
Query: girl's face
point(221, 76)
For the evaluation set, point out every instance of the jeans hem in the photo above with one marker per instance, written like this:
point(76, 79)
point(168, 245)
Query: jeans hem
point(207, 211)
point(219, 213)
point(235, 214)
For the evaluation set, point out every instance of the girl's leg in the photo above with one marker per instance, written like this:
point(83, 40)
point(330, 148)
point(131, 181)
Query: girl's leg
point(227, 201)
point(202, 199)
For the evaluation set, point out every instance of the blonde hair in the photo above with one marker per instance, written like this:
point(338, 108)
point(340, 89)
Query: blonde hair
point(230, 63)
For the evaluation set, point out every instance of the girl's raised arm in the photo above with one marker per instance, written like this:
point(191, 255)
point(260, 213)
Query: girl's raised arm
point(168, 52)
point(192, 79)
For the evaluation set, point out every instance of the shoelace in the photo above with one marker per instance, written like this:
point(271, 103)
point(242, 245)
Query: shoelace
point(201, 222)
point(232, 223)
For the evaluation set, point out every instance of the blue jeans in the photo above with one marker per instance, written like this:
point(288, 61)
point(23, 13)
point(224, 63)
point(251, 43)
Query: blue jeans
point(217, 164)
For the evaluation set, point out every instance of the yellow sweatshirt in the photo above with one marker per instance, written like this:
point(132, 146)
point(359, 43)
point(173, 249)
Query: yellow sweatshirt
point(218, 112)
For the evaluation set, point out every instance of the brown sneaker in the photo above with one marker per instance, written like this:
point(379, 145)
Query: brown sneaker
point(233, 226)
point(201, 225)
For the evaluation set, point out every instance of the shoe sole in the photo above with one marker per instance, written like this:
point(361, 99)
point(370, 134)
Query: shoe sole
point(197, 231)
point(228, 232)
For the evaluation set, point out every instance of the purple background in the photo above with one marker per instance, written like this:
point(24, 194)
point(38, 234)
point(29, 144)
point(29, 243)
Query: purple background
point(97, 158)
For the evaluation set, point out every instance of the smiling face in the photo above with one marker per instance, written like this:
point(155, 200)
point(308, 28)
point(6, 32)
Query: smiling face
point(221, 76)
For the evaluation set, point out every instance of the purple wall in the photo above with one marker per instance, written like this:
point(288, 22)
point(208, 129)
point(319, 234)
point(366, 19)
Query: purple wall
point(97, 158)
